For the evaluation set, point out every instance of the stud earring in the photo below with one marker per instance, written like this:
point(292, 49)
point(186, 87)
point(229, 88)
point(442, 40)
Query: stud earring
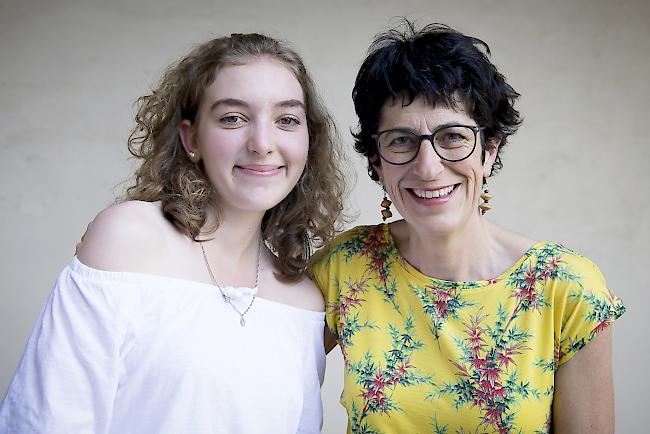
point(486, 196)
point(385, 204)
point(192, 155)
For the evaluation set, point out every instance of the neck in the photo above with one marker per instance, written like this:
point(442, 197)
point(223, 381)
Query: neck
point(237, 236)
point(464, 255)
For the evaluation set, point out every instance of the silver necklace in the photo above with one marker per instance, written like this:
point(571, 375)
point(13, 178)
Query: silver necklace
point(226, 298)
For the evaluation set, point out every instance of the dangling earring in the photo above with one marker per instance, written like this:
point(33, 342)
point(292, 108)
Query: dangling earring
point(486, 196)
point(385, 204)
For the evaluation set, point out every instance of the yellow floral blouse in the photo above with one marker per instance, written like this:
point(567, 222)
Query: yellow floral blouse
point(424, 355)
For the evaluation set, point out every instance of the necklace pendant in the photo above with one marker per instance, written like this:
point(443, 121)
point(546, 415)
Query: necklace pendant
point(242, 322)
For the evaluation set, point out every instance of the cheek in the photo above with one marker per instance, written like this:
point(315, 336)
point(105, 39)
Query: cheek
point(303, 153)
point(391, 177)
point(300, 150)
point(217, 141)
point(474, 167)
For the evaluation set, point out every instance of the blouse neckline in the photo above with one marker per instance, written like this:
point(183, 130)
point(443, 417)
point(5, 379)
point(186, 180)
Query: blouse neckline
point(465, 285)
point(78, 267)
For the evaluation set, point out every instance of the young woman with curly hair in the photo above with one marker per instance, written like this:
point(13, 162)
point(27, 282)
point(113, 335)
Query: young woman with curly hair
point(186, 308)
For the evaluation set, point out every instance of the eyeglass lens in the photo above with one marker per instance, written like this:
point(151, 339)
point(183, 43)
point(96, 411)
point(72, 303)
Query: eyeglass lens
point(451, 143)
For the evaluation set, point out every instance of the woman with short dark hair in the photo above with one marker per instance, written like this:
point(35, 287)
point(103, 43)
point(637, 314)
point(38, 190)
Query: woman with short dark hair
point(447, 322)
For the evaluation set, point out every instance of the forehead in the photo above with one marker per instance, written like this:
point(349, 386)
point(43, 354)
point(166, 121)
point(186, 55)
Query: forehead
point(421, 113)
point(261, 80)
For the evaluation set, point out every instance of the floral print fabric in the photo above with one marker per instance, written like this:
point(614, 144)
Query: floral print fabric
point(424, 355)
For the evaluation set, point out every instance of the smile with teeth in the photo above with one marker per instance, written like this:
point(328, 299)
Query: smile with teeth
point(430, 194)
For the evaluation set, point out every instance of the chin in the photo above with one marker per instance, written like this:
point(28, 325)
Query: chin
point(261, 200)
point(268, 205)
point(443, 223)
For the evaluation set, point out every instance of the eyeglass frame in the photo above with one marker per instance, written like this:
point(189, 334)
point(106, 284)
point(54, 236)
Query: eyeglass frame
point(421, 137)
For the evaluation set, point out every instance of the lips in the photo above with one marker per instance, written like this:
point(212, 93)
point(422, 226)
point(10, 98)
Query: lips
point(260, 169)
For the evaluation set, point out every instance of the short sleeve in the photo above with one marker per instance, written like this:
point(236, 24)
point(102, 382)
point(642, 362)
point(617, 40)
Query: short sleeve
point(584, 306)
point(68, 375)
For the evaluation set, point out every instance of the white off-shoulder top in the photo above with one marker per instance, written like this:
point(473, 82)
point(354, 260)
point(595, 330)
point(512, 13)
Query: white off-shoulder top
point(115, 352)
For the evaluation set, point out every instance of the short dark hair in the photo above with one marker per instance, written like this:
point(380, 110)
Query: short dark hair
point(440, 64)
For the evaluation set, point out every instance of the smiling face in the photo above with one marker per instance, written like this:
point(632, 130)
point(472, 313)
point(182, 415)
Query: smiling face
point(251, 134)
point(431, 193)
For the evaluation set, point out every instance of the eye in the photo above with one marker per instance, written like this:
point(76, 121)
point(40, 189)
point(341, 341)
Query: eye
point(231, 120)
point(453, 137)
point(398, 141)
point(401, 141)
point(288, 121)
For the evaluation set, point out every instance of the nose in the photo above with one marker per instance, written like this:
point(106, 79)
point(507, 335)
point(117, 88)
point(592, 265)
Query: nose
point(428, 164)
point(260, 140)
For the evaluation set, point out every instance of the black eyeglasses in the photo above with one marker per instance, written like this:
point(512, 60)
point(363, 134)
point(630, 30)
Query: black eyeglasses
point(450, 142)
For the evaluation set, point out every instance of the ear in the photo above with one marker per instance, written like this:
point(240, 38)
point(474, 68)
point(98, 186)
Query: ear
point(491, 150)
point(376, 164)
point(187, 133)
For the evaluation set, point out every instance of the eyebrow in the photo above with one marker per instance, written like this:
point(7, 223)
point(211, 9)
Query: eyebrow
point(233, 102)
point(437, 128)
point(289, 103)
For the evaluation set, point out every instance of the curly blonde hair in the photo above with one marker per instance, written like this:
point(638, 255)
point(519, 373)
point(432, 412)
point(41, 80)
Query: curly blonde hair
point(306, 218)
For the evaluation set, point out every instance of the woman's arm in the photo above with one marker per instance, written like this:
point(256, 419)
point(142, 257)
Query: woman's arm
point(584, 390)
point(330, 340)
point(68, 376)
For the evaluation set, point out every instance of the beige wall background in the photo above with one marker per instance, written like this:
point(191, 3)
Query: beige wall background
point(575, 173)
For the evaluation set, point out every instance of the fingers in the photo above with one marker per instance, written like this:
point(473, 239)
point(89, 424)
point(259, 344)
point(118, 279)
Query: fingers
point(78, 246)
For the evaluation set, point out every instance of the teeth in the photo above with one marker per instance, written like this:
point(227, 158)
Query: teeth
point(430, 194)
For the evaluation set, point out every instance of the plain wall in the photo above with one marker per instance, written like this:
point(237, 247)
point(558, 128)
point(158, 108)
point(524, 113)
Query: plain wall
point(575, 173)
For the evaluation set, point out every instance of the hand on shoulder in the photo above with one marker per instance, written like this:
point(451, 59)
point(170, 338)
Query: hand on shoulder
point(123, 237)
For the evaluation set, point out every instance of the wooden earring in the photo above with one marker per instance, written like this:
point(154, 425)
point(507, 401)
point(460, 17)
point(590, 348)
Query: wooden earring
point(385, 204)
point(486, 196)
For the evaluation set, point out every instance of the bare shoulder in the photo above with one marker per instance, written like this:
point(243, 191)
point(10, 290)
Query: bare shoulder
point(124, 237)
point(303, 293)
point(309, 295)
